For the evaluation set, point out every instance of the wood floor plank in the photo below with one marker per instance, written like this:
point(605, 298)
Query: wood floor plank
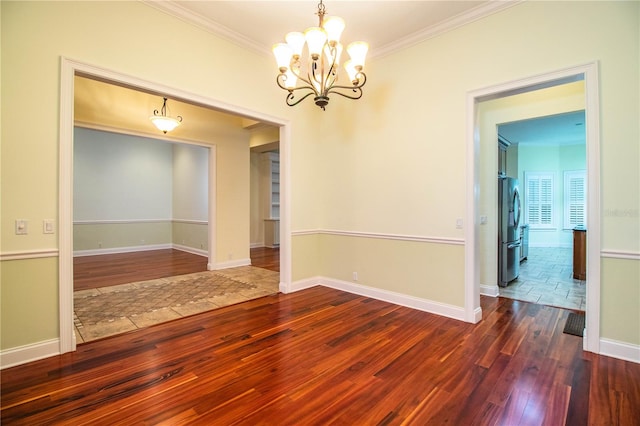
point(322, 356)
point(106, 270)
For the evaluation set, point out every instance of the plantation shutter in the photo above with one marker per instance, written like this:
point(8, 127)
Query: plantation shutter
point(539, 199)
point(575, 199)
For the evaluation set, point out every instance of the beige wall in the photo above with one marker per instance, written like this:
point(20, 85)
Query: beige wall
point(33, 41)
point(392, 164)
point(397, 161)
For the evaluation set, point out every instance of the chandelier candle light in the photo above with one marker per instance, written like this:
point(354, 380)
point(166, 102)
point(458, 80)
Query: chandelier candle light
point(319, 75)
point(164, 122)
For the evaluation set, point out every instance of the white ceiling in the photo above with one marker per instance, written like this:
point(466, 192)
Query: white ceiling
point(559, 129)
point(385, 25)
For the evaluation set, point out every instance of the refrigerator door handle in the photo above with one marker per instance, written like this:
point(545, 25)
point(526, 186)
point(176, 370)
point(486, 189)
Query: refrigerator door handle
point(516, 201)
point(513, 245)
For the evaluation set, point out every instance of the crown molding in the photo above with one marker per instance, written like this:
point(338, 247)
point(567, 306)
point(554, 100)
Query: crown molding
point(174, 9)
point(477, 13)
point(177, 11)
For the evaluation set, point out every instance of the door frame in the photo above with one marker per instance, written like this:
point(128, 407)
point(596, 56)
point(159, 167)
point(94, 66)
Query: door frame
point(589, 73)
point(68, 69)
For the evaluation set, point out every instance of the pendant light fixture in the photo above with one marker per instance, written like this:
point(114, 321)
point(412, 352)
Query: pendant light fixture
point(164, 122)
point(318, 72)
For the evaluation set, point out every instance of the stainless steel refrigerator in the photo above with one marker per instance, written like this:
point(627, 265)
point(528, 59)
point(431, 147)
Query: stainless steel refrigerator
point(509, 244)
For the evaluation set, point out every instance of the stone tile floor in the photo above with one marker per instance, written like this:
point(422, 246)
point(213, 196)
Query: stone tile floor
point(546, 278)
point(117, 309)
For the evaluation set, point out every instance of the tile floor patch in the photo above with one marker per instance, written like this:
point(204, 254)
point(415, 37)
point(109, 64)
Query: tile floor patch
point(546, 277)
point(111, 310)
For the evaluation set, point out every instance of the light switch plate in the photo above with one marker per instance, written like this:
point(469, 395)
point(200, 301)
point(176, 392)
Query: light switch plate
point(22, 227)
point(48, 227)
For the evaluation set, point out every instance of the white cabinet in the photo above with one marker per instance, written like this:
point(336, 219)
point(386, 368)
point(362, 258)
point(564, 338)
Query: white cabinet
point(270, 191)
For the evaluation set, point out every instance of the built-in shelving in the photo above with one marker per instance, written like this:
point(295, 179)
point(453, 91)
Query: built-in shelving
point(271, 198)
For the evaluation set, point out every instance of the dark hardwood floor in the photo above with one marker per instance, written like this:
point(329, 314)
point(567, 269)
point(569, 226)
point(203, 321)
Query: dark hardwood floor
point(321, 356)
point(113, 269)
point(267, 258)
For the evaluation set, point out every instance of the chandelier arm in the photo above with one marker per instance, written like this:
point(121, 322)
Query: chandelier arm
point(322, 83)
point(290, 97)
point(308, 87)
point(294, 67)
point(357, 90)
point(309, 84)
point(332, 73)
point(360, 75)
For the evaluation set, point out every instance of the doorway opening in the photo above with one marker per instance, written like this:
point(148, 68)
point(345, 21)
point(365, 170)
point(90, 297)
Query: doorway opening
point(475, 247)
point(216, 261)
point(545, 157)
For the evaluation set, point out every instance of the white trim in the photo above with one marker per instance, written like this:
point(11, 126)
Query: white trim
point(233, 263)
point(65, 207)
point(401, 299)
point(589, 72)
point(68, 69)
point(620, 254)
point(620, 350)
point(119, 221)
point(168, 139)
point(204, 23)
point(116, 250)
point(212, 230)
point(191, 221)
point(594, 244)
point(482, 11)
point(28, 254)
point(377, 235)
point(285, 209)
point(209, 25)
point(489, 290)
point(192, 250)
point(28, 353)
point(134, 249)
point(306, 283)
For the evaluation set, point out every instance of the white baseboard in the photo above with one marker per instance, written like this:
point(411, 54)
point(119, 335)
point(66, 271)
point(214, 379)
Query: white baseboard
point(192, 250)
point(306, 283)
point(27, 353)
point(256, 245)
point(230, 264)
point(620, 350)
point(114, 250)
point(425, 305)
point(489, 290)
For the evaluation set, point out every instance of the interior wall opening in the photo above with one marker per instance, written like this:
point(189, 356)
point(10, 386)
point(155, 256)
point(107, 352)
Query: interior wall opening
point(476, 245)
point(68, 120)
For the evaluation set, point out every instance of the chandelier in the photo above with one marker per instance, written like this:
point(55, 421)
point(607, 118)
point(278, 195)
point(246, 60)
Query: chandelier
point(164, 122)
point(318, 75)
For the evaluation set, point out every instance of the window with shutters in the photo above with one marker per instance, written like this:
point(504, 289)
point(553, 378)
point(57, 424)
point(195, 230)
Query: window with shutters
point(539, 212)
point(575, 199)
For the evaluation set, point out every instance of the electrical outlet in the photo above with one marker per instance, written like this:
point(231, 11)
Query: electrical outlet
point(355, 276)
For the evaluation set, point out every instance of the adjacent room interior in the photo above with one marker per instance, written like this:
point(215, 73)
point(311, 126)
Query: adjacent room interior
point(141, 214)
point(546, 157)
